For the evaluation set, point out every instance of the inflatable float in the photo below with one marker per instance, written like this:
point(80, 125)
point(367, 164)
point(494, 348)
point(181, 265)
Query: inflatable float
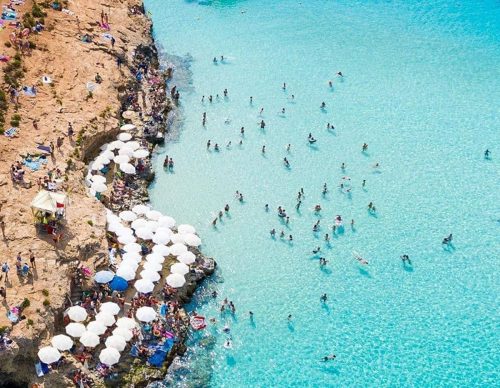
point(197, 322)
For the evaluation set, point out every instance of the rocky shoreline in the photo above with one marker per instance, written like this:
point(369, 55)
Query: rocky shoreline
point(85, 241)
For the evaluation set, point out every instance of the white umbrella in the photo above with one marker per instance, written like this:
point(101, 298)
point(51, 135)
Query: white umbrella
point(145, 233)
point(155, 258)
point(178, 249)
point(128, 114)
point(145, 314)
point(132, 247)
point(75, 329)
point(49, 355)
point(187, 258)
point(109, 356)
point(104, 276)
point(124, 231)
point(161, 238)
point(185, 228)
point(121, 159)
point(127, 168)
point(141, 153)
point(161, 249)
point(77, 313)
point(175, 280)
point(108, 154)
point(153, 215)
point(126, 152)
point(114, 225)
point(126, 323)
point(123, 332)
point(104, 147)
point(126, 272)
point(115, 145)
point(94, 166)
point(127, 127)
point(126, 239)
point(124, 136)
point(141, 209)
point(62, 342)
point(179, 268)
point(98, 178)
point(110, 308)
point(166, 221)
point(134, 264)
point(106, 319)
point(177, 238)
point(150, 275)
point(132, 145)
point(117, 342)
point(102, 160)
point(96, 327)
point(132, 256)
point(152, 225)
point(128, 215)
point(110, 217)
point(192, 239)
point(89, 339)
point(139, 223)
point(152, 266)
point(145, 286)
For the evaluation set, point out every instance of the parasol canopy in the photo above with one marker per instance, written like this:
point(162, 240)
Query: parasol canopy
point(49, 355)
point(77, 313)
point(175, 280)
point(62, 342)
point(109, 356)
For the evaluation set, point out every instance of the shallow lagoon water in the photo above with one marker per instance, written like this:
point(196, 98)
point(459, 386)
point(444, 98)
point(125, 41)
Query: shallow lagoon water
point(421, 87)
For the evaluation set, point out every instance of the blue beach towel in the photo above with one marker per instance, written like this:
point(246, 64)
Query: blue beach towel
point(41, 369)
point(158, 358)
point(11, 132)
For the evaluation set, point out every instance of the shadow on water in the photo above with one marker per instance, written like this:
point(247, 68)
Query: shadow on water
point(365, 273)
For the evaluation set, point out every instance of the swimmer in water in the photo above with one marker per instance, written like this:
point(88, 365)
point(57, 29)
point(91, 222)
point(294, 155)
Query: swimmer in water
point(228, 344)
point(226, 208)
point(324, 298)
point(273, 232)
point(225, 92)
point(288, 147)
point(228, 145)
point(282, 234)
point(286, 162)
point(327, 237)
point(339, 74)
point(364, 183)
point(487, 154)
point(283, 111)
point(284, 86)
point(251, 100)
point(323, 105)
point(216, 147)
point(290, 238)
point(330, 84)
point(266, 207)
point(263, 149)
point(214, 60)
point(242, 131)
point(317, 250)
point(208, 144)
point(262, 124)
point(329, 357)
point(365, 147)
point(261, 111)
point(289, 317)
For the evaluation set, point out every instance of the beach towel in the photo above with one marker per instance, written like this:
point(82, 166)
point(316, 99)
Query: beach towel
point(42, 147)
point(134, 351)
point(11, 132)
point(157, 358)
point(34, 164)
point(29, 91)
point(41, 369)
point(4, 58)
point(107, 36)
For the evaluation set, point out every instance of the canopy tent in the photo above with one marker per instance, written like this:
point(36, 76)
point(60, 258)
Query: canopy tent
point(48, 201)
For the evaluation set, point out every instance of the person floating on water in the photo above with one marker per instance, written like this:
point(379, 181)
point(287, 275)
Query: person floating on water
point(487, 154)
point(406, 259)
point(284, 86)
point(262, 124)
point(263, 149)
point(165, 162)
point(214, 60)
point(365, 147)
point(323, 105)
point(330, 357)
point(447, 240)
point(339, 74)
point(273, 232)
point(311, 139)
point(216, 147)
point(317, 250)
point(286, 162)
point(324, 298)
point(208, 144)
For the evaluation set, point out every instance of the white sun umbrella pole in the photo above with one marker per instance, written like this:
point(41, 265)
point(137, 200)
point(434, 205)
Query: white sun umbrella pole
point(110, 308)
point(77, 313)
point(145, 314)
point(175, 280)
point(109, 356)
point(117, 342)
point(49, 355)
point(62, 342)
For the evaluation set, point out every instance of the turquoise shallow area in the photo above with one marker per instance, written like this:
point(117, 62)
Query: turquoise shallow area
point(421, 87)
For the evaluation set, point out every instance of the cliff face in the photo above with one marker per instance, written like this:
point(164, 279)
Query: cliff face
point(71, 64)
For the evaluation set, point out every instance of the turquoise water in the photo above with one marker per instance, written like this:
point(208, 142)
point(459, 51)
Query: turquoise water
point(421, 87)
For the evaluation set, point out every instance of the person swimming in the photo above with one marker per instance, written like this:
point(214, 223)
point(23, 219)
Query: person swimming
point(214, 60)
point(324, 298)
point(339, 74)
point(487, 154)
point(273, 232)
point(216, 147)
point(228, 344)
point(365, 147)
point(263, 149)
point(317, 250)
point(323, 105)
point(284, 86)
point(329, 358)
point(288, 147)
point(286, 162)
point(262, 124)
point(208, 144)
